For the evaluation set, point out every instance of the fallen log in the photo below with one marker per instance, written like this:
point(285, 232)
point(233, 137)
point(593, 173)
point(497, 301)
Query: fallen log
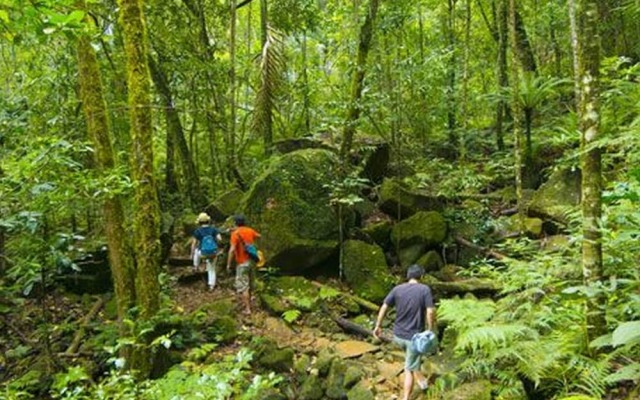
point(487, 251)
point(364, 303)
point(355, 328)
point(75, 343)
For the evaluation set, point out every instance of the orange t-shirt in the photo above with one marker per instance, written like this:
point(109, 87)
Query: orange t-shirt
point(248, 236)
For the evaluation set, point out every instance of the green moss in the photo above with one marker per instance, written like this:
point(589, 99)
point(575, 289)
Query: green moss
point(353, 375)
point(273, 303)
point(431, 261)
point(290, 204)
point(311, 388)
point(323, 362)
point(228, 203)
point(557, 197)
point(428, 228)
point(335, 388)
point(365, 270)
point(409, 255)
point(360, 392)
point(268, 355)
point(222, 329)
point(379, 232)
point(302, 364)
point(480, 390)
point(400, 201)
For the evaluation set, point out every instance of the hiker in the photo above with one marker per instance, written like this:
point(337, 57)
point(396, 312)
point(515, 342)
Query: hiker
point(414, 305)
point(241, 237)
point(204, 245)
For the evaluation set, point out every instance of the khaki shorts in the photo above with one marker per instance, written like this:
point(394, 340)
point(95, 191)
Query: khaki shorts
point(412, 360)
point(243, 280)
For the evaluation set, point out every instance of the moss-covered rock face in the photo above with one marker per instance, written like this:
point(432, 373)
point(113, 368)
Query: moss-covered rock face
point(431, 261)
point(480, 390)
point(399, 201)
point(410, 254)
point(353, 375)
point(335, 381)
point(365, 270)
point(427, 229)
point(289, 205)
point(360, 392)
point(379, 232)
point(227, 204)
point(268, 355)
point(311, 388)
point(557, 197)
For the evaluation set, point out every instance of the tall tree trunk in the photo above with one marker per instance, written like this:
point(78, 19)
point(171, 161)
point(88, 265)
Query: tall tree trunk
point(232, 84)
point(588, 40)
point(96, 115)
point(517, 110)
point(525, 50)
point(146, 222)
point(175, 130)
point(357, 79)
point(3, 263)
point(267, 126)
point(306, 101)
point(575, 50)
point(451, 76)
point(501, 23)
point(465, 78)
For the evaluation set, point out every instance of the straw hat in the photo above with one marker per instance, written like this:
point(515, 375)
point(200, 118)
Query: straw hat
point(203, 217)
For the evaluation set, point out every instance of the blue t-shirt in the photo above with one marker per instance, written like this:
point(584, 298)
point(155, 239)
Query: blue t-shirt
point(411, 301)
point(205, 230)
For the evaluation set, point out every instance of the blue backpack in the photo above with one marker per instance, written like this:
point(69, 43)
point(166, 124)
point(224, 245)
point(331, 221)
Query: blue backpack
point(424, 342)
point(208, 246)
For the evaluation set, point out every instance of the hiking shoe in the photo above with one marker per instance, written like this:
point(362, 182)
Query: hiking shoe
point(423, 385)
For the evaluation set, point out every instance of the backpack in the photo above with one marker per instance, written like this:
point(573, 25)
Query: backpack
point(424, 342)
point(250, 249)
point(208, 246)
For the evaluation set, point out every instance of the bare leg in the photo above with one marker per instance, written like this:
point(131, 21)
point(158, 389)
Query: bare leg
point(420, 380)
point(246, 301)
point(408, 384)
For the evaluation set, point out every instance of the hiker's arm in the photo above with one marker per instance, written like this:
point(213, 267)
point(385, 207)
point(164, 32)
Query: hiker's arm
point(431, 319)
point(377, 331)
point(193, 246)
point(232, 249)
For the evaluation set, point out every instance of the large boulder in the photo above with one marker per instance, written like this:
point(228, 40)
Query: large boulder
point(479, 390)
point(365, 270)
point(284, 146)
point(289, 204)
point(376, 163)
point(557, 197)
point(400, 201)
point(379, 232)
point(411, 237)
point(228, 203)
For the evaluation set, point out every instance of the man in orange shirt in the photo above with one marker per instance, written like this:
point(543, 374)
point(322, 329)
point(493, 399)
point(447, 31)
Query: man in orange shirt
point(240, 237)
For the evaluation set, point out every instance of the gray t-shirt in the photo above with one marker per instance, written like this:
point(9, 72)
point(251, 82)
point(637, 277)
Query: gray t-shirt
point(411, 301)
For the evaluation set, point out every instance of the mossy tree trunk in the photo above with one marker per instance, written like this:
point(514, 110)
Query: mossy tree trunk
point(357, 80)
point(501, 25)
point(451, 76)
point(98, 127)
point(146, 221)
point(517, 110)
point(590, 157)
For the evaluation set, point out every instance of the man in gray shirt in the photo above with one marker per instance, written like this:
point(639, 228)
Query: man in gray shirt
point(414, 305)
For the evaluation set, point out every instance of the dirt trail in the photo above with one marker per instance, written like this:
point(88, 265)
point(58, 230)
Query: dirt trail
point(382, 363)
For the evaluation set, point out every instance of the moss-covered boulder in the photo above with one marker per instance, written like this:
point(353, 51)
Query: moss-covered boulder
point(379, 232)
point(410, 254)
point(365, 270)
point(376, 164)
point(558, 196)
point(289, 203)
point(476, 286)
point(286, 292)
point(311, 388)
point(335, 388)
point(289, 145)
point(400, 201)
point(268, 355)
point(353, 375)
point(480, 390)
point(431, 261)
point(323, 362)
point(227, 204)
point(426, 227)
point(360, 392)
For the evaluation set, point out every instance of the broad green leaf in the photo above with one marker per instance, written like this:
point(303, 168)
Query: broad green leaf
point(4, 16)
point(625, 333)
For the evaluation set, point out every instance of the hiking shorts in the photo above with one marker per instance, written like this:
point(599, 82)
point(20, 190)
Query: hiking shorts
point(243, 280)
point(412, 360)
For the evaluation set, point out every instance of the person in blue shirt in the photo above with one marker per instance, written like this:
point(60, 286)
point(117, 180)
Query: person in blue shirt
point(204, 245)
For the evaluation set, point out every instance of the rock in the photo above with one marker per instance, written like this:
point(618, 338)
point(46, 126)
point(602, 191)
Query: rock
point(324, 361)
point(275, 304)
point(225, 205)
point(448, 273)
point(480, 390)
point(268, 355)
point(353, 375)
point(377, 163)
point(411, 254)
point(311, 388)
point(271, 394)
point(354, 348)
point(289, 204)
point(291, 292)
point(426, 227)
point(556, 243)
point(365, 270)
point(431, 261)
point(335, 388)
point(302, 364)
point(399, 201)
point(284, 146)
point(360, 392)
point(557, 197)
point(221, 329)
point(94, 276)
point(532, 226)
point(379, 232)
point(477, 286)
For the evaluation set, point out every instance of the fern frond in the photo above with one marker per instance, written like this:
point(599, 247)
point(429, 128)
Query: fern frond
point(272, 66)
point(462, 313)
point(490, 337)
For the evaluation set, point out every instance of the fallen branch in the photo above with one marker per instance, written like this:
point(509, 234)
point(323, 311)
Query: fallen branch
point(76, 355)
point(355, 328)
point(489, 252)
point(364, 303)
point(75, 343)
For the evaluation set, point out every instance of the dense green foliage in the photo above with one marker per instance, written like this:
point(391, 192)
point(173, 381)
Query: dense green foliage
point(190, 119)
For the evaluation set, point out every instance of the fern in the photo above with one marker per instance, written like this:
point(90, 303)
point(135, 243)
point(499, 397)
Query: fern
point(491, 337)
point(461, 313)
